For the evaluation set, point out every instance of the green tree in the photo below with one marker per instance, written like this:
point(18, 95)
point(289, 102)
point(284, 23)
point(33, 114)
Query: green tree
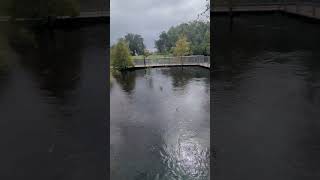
point(207, 43)
point(64, 8)
point(43, 8)
point(136, 44)
point(197, 32)
point(120, 55)
point(182, 47)
point(163, 43)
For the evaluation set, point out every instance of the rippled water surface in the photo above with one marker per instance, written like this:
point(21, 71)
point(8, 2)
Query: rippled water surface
point(53, 105)
point(266, 98)
point(159, 124)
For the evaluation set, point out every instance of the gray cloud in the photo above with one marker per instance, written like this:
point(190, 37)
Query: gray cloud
point(150, 17)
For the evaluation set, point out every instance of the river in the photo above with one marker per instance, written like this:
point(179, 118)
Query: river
point(266, 98)
point(160, 124)
point(53, 104)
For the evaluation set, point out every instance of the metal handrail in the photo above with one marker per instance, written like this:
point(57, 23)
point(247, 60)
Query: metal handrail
point(266, 4)
point(301, 8)
point(179, 60)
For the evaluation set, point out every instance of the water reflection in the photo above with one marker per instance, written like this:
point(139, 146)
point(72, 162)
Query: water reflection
point(3, 62)
point(160, 131)
point(55, 62)
point(58, 90)
point(179, 78)
point(127, 80)
point(266, 98)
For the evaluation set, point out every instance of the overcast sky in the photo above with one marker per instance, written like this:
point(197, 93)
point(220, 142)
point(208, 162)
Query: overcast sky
point(150, 17)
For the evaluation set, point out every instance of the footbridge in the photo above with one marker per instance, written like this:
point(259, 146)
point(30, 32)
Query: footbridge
point(200, 61)
point(309, 8)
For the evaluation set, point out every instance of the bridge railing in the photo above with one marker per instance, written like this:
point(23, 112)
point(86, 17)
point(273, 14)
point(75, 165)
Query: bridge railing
point(181, 60)
point(310, 8)
point(236, 3)
point(95, 13)
point(206, 59)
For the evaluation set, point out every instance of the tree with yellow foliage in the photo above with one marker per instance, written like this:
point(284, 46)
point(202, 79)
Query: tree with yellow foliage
point(182, 47)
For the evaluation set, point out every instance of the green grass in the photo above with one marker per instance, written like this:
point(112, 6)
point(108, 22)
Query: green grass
point(154, 56)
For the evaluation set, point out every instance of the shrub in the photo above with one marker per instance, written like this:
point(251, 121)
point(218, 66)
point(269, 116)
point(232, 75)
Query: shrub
point(120, 55)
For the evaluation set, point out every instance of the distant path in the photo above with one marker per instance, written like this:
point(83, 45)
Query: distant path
point(311, 10)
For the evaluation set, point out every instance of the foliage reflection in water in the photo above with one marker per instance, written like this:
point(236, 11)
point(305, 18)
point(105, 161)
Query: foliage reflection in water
point(52, 104)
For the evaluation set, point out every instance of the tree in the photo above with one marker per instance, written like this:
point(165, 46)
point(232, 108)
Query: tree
point(120, 55)
point(43, 8)
point(207, 43)
point(206, 11)
point(146, 53)
point(64, 8)
point(182, 47)
point(136, 44)
point(197, 32)
point(4, 7)
point(163, 43)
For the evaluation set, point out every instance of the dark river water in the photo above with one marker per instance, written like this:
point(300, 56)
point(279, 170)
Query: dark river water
point(266, 98)
point(53, 105)
point(160, 124)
